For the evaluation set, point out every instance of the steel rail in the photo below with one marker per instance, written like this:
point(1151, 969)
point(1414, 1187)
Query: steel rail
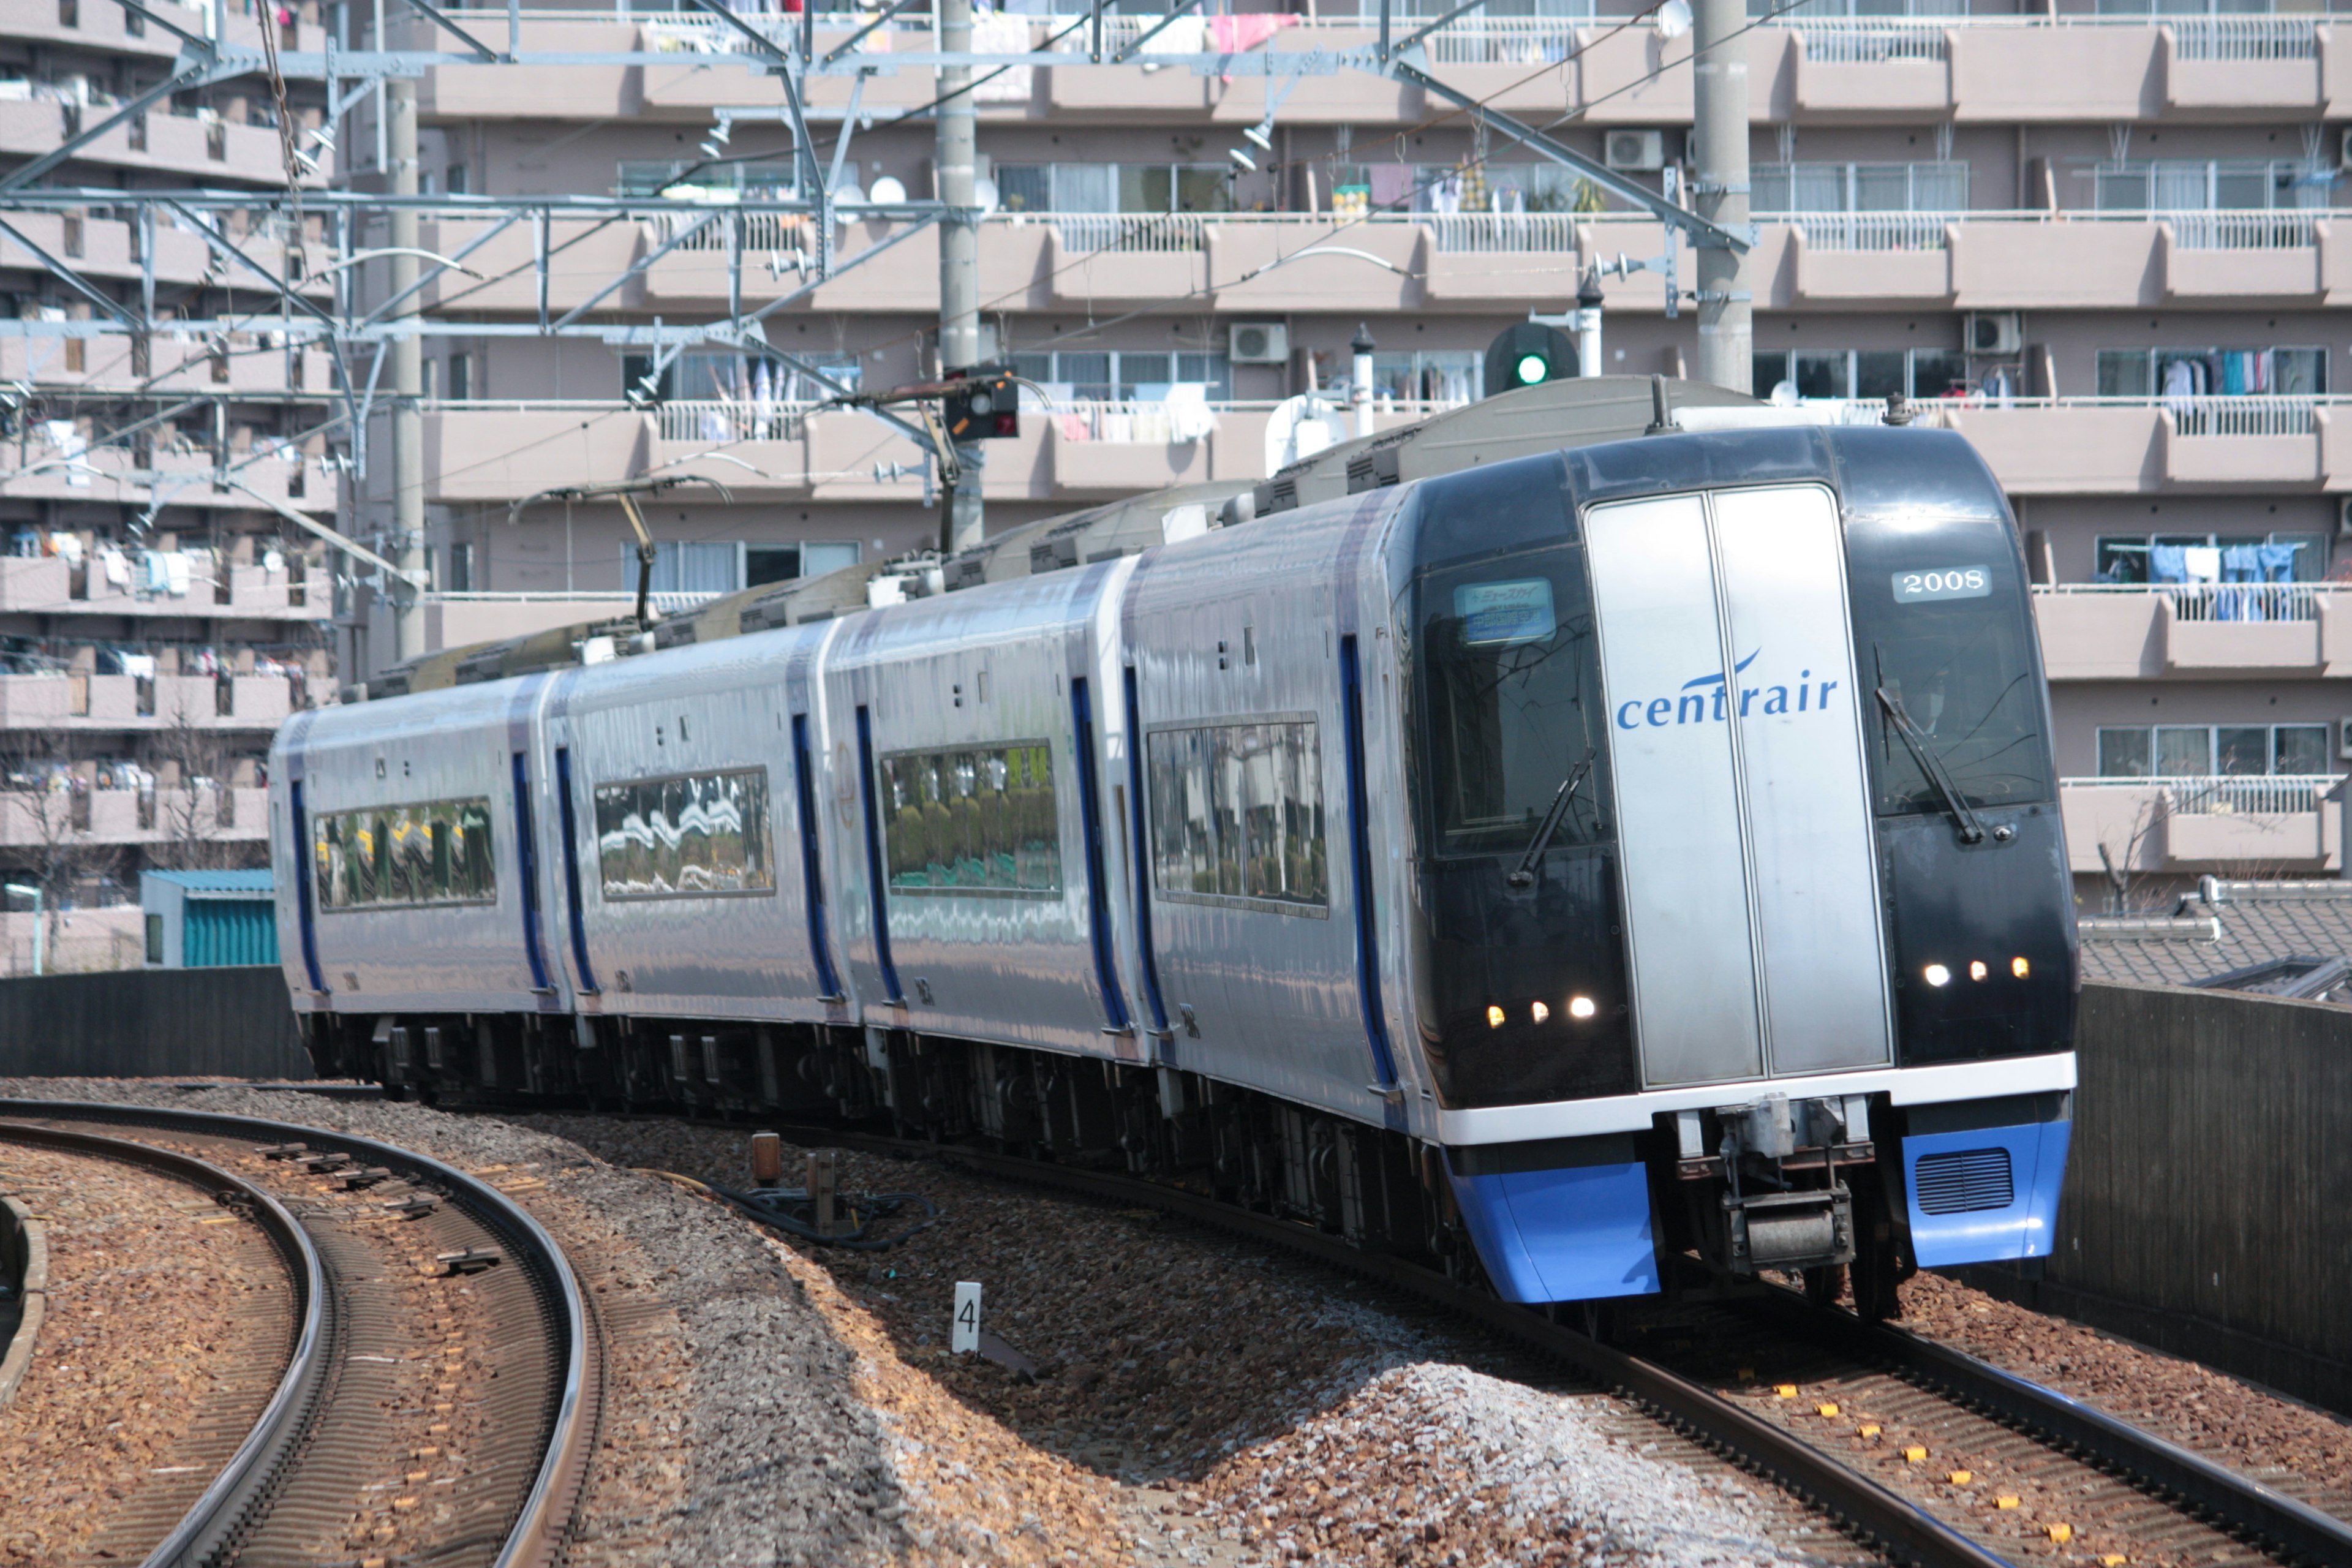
point(536, 1538)
point(261, 1460)
point(2239, 1504)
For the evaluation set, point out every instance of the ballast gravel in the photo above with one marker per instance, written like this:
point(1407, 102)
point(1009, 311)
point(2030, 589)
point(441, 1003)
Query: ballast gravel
point(732, 1430)
point(1254, 1410)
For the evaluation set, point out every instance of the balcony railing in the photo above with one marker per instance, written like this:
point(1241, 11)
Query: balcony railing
point(1870, 40)
point(1481, 234)
point(730, 419)
point(1868, 231)
point(2244, 38)
point(1153, 233)
point(2278, 230)
point(2226, 795)
point(591, 601)
point(2246, 416)
point(2213, 601)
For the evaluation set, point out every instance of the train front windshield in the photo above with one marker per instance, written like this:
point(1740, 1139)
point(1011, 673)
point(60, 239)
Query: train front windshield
point(1526, 992)
point(1939, 630)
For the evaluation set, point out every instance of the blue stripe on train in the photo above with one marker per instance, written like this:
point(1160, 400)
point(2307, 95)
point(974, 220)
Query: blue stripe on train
point(1964, 1170)
point(1572, 1234)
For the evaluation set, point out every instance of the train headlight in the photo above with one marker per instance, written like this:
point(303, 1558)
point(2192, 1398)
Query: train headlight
point(2019, 967)
point(1581, 1008)
point(1542, 1012)
point(1494, 1017)
point(1936, 974)
point(1977, 970)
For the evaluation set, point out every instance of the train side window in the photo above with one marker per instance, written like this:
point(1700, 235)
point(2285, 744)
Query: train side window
point(404, 856)
point(684, 836)
point(1237, 815)
point(978, 821)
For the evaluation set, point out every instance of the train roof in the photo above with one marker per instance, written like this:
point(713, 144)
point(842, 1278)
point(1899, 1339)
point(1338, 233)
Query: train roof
point(1546, 418)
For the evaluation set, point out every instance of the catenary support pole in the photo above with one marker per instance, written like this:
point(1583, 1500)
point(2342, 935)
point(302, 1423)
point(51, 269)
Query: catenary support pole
point(1726, 315)
point(407, 386)
point(964, 524)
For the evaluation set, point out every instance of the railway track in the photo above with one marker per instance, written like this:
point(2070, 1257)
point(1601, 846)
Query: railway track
point(440, 1398)
point(2126, 1494)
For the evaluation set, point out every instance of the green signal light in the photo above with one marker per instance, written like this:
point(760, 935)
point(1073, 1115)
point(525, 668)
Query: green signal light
point(1533, 368)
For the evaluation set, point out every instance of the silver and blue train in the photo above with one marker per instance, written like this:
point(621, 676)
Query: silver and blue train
point(1596, 871)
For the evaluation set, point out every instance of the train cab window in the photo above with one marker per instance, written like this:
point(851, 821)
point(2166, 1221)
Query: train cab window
point(1513, 694)
point(409, 857)
point(1237, 815)
point(1939, 610)
point(691, 835)
point(973, 822)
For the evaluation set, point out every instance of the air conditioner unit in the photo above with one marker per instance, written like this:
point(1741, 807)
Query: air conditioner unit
point(1637, 151)
point(1995, 333)
point(1260, 343)
point(2344, 150)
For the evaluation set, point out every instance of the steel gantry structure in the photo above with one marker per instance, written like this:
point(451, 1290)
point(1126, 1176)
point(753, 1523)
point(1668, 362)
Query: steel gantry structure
point(311, 292)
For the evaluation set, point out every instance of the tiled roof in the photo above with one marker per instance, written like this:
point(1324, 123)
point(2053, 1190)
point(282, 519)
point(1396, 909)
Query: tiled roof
point(2221, 927)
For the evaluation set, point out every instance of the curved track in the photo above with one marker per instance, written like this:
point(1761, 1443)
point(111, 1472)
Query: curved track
point(288, 1498)
point(2172, 1504)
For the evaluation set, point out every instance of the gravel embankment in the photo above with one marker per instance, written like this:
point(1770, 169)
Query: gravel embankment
point(1254, 1409)
point(732, 1429)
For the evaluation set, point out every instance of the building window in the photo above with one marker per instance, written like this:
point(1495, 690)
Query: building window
point(706, 376)
point(1432, 375)
point(2275, 557)
point(458, 180)
point(404, 856)
point(696, 835)
point(661, 177)
point(1940, 187)
point(461, 376)
point(2209, 372)
point(1862, 373)
point(154, 938)
point(1124, 377)
point(1237, 815)
point(688, 566)
point(980, 821)
point(461, 569)
point(2210, 185)
point(2198, 751)
point(1115, 187)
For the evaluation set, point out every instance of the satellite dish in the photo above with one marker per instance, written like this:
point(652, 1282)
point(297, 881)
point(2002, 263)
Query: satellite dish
point(847, 194)
point(888, 191)
point(1673, 18)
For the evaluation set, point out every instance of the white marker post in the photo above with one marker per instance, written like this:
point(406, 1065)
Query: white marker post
point(963, 1335)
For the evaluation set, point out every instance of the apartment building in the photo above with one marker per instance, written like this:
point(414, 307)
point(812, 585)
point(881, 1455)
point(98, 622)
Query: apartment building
point(2105, 242)
point(159, 617)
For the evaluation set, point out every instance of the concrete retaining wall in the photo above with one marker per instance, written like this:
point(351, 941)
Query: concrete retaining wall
point(150, 1023)
point(2208, 1197)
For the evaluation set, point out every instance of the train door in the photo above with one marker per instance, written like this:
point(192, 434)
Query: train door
point(1751, 898)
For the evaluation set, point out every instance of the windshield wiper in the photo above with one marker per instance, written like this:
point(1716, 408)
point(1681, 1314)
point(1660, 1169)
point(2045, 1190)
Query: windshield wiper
point(1971, 830)
point(1526, 874)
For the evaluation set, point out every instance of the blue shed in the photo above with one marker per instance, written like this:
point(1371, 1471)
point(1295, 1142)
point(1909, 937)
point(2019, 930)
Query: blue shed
point(202, 919)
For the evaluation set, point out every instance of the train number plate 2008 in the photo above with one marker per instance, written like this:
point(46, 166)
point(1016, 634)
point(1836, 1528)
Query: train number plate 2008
point(1943, 583)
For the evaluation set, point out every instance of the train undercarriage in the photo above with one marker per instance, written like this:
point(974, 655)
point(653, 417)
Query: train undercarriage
point(1793, 1188)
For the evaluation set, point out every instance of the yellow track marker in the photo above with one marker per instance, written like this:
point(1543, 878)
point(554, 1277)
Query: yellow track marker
point(1869, 1429)
point(1912, 1456)
point(1961, 1477)
point(1825, 1409)
point(2004, 1502)
point(2060, 1534)
point(1785, 1390)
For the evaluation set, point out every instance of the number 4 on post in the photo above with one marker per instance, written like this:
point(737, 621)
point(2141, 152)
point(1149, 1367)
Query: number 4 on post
point(963, 1337)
